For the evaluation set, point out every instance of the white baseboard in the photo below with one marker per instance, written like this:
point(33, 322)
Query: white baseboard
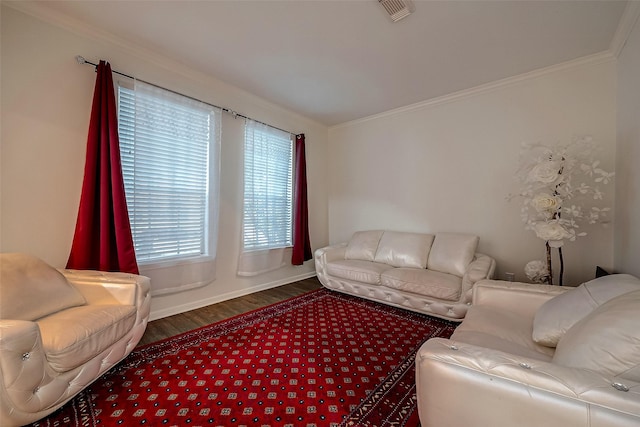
point(170, 311)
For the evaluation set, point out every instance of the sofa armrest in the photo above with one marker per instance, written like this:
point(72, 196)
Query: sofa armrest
point(325, 255)
point(499, 389)
point(482, 267)
point(99, 287)
point(331, 253)
point(20, 345)
point(526, 297)
point(23, 365)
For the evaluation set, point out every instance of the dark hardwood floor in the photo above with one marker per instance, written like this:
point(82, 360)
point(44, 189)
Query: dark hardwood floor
point(179, 323)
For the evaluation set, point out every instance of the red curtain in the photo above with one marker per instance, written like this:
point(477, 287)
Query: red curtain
point(301, 243)
point(102, 239)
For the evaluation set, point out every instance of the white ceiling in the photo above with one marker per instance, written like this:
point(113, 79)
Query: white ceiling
point(336, 61)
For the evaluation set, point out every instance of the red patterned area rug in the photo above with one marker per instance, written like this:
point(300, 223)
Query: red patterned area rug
point(320, 359)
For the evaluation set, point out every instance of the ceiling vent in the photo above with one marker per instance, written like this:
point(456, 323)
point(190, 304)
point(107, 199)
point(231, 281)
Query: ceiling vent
point(397, 9)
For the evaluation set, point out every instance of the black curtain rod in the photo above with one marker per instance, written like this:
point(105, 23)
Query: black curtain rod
point(235, 114)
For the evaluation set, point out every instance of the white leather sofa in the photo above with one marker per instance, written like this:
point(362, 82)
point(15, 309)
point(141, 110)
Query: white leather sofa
point(537, 355)
point(427, 273)
point(61, 330)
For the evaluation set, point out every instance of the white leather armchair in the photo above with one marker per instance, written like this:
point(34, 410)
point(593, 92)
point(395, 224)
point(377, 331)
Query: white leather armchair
point(582, 369)
point(60, 330)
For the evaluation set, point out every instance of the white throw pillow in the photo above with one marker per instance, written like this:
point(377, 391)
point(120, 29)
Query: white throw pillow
point(560, 313)
point(32, 289)
point(452, 253)
point(363, 245)
point(607, 341)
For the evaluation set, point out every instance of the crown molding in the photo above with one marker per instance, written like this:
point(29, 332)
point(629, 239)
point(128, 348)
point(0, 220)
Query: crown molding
point(46, 14)
point(627, 22)
point(597, 58)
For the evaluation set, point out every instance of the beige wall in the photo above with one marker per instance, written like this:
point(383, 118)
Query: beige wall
point(46, 101)
point(627, 220)
point(447, 165)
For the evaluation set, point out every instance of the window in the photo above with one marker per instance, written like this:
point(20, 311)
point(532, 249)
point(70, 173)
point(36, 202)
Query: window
point(268, 187)
point(169, 149)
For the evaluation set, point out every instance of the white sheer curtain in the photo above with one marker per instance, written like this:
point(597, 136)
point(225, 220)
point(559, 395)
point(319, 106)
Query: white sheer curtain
point(171, 157)
point(268, 199)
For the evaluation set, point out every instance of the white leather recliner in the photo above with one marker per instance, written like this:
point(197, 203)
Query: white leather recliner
point(60, 330)
point(537, 355)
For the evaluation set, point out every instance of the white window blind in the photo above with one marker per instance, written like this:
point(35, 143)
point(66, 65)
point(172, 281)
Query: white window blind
point(268, 187)
point(168, 148)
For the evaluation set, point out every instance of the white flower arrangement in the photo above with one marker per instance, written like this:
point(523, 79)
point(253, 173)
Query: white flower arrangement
point(557, 182)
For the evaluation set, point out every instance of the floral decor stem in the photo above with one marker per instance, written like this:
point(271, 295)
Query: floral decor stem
point(561, 266)
point(549, 263)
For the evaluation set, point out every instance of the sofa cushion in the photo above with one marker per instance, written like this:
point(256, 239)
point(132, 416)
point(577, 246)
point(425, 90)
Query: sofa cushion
point(357, 270)
point(402, 249)
point(363, 245)
point(32, 289)
point(607, 340)
point(560, 313)
point(74, 336)
point(423, 282)
point(500, 329)
point(452, 252)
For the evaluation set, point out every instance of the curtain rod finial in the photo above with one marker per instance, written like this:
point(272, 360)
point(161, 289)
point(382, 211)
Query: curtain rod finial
point(80, 59)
